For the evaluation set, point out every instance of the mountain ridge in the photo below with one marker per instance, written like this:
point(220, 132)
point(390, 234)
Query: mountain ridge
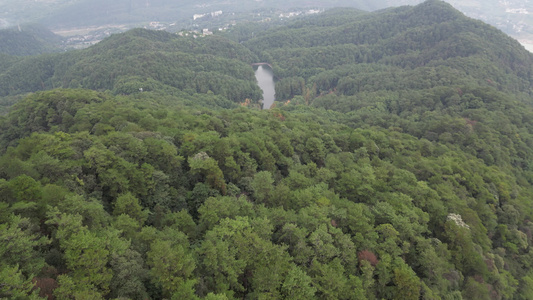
point(387, 38)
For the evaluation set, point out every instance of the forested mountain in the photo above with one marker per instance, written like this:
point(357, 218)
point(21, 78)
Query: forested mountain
point(28, 40)
point(144, 59)
point(396, 165)
point(439, 38)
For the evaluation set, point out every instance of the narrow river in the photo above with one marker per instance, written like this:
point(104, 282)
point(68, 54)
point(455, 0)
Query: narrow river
point(265, 80)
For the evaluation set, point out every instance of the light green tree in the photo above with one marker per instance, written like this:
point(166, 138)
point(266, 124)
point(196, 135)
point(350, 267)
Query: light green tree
point(171, 267)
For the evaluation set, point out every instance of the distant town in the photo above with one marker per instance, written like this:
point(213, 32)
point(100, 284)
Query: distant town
point(199, 25)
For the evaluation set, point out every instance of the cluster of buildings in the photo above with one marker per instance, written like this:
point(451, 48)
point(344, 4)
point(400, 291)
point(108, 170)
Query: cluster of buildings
point(197, 33)
point(212, 14)
point(156, 26)
point(521, 11)
point(86, 40)
point(297, 13)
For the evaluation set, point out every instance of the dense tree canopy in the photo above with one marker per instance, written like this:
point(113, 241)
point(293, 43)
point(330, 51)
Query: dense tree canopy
point(403, 174)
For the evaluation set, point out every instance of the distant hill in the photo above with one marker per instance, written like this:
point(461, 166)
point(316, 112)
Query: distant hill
point(432, 35)
point(400, 67)
point(156, 58)
point(405, 41)
point(28, 40)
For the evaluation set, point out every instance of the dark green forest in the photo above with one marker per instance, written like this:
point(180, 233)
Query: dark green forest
point(397, 163)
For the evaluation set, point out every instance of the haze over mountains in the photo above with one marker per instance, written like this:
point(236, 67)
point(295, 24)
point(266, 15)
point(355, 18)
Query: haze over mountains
point(396, 163)
point(514, 17)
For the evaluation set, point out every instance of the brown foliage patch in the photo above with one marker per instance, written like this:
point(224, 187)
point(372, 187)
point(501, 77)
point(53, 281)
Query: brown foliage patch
point(368, 256)
point(46, 286)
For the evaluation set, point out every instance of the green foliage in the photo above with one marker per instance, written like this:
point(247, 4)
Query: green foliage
point(15, 285)
point(207, 167)
point(407, 283)
point(86, 256)
point(141, 61)
point(262, 186)
point(297, 285)
point(69, 288)
point(21, 246)
point(400, 174)
point(129, 205)
point(171, 267)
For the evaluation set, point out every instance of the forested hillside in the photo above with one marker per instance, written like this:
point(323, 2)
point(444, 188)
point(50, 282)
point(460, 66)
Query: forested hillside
point(124, 63)
point(28, 40)
point(403, 43)
point(397, 165)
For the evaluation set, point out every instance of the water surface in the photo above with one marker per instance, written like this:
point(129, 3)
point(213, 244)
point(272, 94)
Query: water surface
point(265, 80)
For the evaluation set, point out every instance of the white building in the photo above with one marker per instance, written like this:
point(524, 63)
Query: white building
point(194, 17)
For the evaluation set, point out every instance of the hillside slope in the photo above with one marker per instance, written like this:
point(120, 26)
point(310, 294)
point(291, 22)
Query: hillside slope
point(400, 166)
point(431, 35)
point(146, 58)
point(412, 68)
point(28, 40)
